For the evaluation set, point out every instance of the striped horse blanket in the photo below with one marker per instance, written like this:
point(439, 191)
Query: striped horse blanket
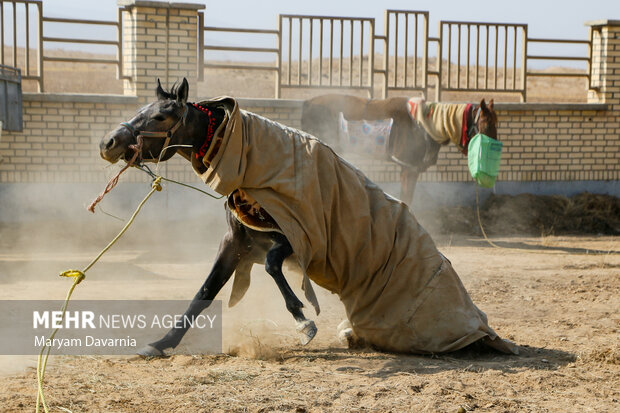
point(444, 122)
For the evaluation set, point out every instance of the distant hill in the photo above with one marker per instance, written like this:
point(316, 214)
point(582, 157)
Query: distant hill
point(101, 78)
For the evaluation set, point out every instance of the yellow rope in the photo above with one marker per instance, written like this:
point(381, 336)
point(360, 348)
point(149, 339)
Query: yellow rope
point(480, 221)
point(78, 276)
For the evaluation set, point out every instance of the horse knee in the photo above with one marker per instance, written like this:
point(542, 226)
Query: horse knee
point(273, 266)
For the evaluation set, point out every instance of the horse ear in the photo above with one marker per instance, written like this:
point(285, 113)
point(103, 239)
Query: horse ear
point(183, 92)
point(491, 105)
point(483, 105)
point(159, 91)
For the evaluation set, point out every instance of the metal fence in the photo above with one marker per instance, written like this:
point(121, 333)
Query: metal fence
point(10, 99)
point(329, 52)
point(409, 29)
point(10, 57)
point(20, 29)
point(491, 61)
point(202, 29)
point(325, 52)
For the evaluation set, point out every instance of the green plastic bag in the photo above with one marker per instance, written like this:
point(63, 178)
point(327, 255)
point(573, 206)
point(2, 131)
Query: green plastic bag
point(483, 157)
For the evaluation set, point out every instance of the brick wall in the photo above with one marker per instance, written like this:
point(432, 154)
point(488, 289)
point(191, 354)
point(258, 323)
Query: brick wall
point(59, 142)
point(543, 142)
point(160, 40)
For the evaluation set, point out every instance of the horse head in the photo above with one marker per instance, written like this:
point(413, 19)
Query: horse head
point(156, 127)
point(487, 119)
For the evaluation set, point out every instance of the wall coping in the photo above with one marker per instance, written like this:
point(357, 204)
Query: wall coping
point(78, 97)
point(159, 4)
point(286, 103)
point(295, 103)
point(551, 106)
point(274, 103)
point(602, 22)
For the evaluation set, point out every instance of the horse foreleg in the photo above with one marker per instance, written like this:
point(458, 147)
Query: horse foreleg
point(408, 180)
point(232, 250)
point(273, 265)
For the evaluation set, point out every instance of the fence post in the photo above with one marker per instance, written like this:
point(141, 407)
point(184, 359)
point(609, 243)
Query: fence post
point(201, 46)
point(40, 86)
point(604, 75)
point(160, 41)
point(386, 56)
point(440, 63)
point(278, 77)
point(523, 63)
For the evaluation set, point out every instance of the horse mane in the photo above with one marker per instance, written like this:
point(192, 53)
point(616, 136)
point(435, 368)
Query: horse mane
point(173, 91)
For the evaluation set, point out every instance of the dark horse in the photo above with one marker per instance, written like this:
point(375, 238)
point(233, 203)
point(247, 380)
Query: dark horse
point(169, 121)
point(409, 144)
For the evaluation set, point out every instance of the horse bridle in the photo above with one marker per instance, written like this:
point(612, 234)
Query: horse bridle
point(474, 129)
point(140, 135)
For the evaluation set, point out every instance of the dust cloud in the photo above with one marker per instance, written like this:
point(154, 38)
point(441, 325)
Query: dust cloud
point(167, 254)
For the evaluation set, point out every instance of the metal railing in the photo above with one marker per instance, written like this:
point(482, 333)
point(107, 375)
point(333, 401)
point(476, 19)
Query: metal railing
point(587, 59)
point(330, 52)
point(25, 28)
point(202, 47)
point(10, 99)
point(41, 39)
point(414, 38)
point(326, 52)
point(500, 43)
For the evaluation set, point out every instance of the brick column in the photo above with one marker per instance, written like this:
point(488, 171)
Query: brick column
point(159, 41)
point(605, 81)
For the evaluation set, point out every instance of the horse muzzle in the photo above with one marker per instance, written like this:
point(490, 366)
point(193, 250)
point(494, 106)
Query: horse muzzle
point(114, 146)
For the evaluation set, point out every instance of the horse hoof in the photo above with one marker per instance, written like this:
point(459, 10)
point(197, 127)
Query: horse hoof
point(307, 330)
point(345, 336)
point(150, 351)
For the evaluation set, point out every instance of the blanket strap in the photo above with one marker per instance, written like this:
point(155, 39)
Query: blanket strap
point(470, 127)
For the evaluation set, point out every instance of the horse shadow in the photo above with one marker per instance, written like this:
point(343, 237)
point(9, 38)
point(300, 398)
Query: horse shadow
point(477, 359)
point(474, 358)
point(520, 245)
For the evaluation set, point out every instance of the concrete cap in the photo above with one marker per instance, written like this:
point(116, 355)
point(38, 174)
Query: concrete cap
point(159, 4)
point(602, 22)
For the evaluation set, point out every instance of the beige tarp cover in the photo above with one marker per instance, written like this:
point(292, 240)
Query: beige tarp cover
point(351, 238)
point(442, 121)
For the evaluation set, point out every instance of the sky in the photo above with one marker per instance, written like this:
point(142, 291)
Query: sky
point(545, 18)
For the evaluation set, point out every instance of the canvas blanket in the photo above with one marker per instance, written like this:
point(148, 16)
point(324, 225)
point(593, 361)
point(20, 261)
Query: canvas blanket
point(367, 138)
point(444, 122)
point(400, 293)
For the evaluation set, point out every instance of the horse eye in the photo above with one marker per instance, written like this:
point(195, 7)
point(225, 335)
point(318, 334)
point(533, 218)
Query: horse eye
point(159, 118)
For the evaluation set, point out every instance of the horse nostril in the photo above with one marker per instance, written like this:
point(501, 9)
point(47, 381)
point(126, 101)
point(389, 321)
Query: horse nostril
point(110, 144)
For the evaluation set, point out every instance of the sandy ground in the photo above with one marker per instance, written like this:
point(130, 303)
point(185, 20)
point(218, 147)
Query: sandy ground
point(557, 297)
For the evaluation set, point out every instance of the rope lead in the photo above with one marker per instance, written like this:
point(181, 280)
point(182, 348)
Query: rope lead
point(78, 276)
point(156, 185)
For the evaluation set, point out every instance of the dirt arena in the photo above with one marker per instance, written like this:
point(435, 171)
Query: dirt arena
point(557, 297)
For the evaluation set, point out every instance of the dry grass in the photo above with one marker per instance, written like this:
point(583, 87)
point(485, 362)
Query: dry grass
point(101, 78)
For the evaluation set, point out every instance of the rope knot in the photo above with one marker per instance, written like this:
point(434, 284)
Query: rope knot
point(79, 275)
point(157, 184)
